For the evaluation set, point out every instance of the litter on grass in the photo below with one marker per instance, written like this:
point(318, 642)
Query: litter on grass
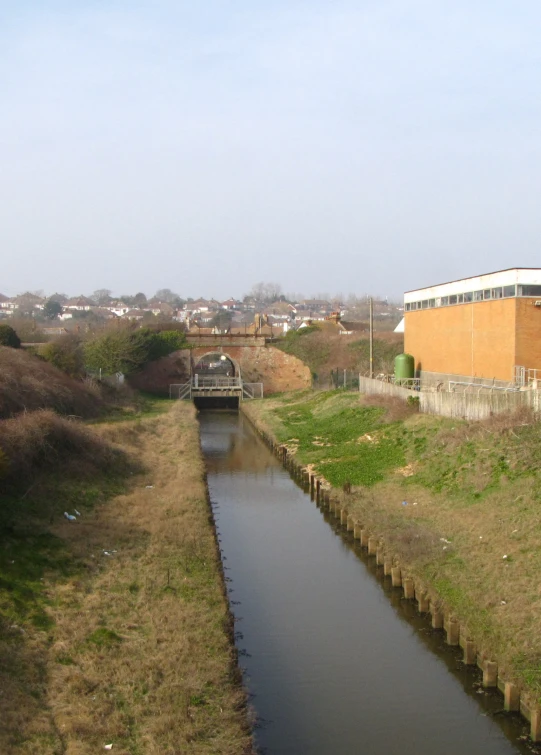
point(69, 517)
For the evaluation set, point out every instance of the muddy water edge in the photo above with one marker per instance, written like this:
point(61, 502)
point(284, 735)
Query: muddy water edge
point(335, 661)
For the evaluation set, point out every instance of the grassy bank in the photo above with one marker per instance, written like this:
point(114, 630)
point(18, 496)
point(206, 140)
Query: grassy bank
point(114, 627)
point(459, 503)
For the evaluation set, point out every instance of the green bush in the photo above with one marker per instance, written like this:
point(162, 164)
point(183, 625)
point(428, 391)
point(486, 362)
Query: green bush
point(8, 337)
point(127, 350)
point(66, 354)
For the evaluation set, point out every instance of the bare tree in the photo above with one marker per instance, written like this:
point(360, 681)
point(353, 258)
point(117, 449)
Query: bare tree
point(166, 295)
point(266, 292)
point(102, 295)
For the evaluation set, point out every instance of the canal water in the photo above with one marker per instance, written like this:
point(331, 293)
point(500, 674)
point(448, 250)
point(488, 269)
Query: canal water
point(334, 660)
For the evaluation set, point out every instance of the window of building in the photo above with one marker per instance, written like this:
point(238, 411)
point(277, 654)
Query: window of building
point(407, 307)
point(497, 293)
point(424, 304)
point(444, 301)
point(431, 302)
point(478, 296)
point(460, 298)
point(468, 296)
point(452, 299)
point(509, 291)
point(486, 294)
point(529, 290)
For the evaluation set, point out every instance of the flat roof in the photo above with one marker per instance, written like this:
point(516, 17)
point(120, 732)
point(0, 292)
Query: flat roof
point(470, 277)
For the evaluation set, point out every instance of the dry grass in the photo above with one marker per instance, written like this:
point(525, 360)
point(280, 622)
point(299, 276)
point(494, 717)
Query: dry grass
point(28, 383)
point(42, 439)
point(139, 652)
point(470, 530)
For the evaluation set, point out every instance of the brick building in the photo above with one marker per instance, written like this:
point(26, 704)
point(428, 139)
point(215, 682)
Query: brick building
point(484, 327)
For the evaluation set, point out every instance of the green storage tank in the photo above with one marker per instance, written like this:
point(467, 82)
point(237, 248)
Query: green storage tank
point(404, 367)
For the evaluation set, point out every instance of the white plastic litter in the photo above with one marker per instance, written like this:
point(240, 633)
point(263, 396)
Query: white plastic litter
point(108, 747)
point(106, 553)
point(78, 513)
point(149, 487)
point(505, 556)
point(69, 517)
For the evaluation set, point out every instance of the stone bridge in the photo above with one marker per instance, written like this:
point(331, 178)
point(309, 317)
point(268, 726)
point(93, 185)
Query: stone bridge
point(257, 362)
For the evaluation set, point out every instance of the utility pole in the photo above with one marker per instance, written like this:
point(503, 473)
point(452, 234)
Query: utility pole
point(371, 303)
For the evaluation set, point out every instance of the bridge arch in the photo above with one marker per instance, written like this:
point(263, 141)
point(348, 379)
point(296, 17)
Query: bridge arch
point(216, 363)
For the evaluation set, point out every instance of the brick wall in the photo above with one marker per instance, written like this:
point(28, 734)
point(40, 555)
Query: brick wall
point(277, 371)
point(528, 334)
point(476, 339)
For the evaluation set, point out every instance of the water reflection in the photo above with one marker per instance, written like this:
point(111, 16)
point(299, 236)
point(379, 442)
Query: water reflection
point(337, 662)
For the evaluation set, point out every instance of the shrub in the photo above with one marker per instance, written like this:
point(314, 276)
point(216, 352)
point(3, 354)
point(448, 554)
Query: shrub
point(125, 350)
point(42, 439)
point(165, 342)
point(120, 350)
point(66, 354)
point(8, 337)
point(28, 383)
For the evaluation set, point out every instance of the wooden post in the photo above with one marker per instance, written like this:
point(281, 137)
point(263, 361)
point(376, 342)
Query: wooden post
point(318, 490)
point(423, 601)
point(470, 653)
point(372, 546)
point(490, 674)
point(357, 529)
point(380, 556)
point(364, 538)
point(396, 576)
point(437, 619)
point(409, 588)
point(387, 567)
point(535, 725)
point(371, 325)
point(453, 631)
point(511, 697)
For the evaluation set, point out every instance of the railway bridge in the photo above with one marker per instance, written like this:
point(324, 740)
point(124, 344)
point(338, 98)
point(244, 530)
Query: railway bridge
point(220, 367)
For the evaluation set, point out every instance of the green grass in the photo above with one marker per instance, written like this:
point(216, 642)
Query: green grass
point(328, 428)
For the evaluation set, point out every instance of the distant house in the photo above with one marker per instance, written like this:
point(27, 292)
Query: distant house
point(134, 314)
point(118, 308)
point(282, 310)
point(28, 301)
point(160, 308)
point(80, 303)
point(230, 304)
point(349, 327)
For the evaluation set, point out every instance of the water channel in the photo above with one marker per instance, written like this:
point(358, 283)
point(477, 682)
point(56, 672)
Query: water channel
point(336, 662)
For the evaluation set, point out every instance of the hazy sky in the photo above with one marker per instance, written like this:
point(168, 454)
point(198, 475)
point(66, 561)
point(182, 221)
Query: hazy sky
point(345, 146)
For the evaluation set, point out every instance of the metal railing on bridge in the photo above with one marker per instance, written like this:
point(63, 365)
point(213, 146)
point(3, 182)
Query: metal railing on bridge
point(215, 386)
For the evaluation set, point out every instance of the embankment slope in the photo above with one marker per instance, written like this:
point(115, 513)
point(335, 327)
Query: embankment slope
point(114, 626)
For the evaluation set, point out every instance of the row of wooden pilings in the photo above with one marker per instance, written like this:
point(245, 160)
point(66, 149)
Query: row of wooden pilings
point(455, 634)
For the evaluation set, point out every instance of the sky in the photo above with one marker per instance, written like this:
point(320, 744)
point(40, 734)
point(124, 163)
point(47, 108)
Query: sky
point(353, 146)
